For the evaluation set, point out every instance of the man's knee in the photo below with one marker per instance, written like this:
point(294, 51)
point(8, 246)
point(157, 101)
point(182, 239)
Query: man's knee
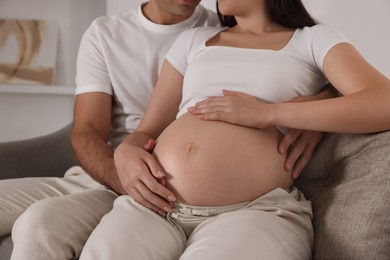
point(37, 222)
point(50, 229)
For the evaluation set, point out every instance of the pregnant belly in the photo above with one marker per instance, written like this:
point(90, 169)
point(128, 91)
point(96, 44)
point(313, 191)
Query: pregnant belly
point(210, 163)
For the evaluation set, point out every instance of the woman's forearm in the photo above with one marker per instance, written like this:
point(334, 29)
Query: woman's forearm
point(362, 112)
point(138, 138)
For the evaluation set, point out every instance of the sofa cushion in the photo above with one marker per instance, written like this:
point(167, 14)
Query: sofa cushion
point(44, 156)
point(348, 182)
point(5, 247)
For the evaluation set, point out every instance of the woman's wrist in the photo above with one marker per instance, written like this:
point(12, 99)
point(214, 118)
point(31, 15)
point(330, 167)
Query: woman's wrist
point(273, 115)
point(267, 115)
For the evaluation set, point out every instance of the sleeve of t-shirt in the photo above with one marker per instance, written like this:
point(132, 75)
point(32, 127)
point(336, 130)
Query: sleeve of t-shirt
point(91, 70)
point(323, 39)
point(179, 52)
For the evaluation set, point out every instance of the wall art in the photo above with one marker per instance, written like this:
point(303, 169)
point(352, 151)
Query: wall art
point(28, 50)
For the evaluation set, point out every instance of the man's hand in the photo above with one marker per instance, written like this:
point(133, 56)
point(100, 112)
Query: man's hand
point(301, 144)
point(142, 178)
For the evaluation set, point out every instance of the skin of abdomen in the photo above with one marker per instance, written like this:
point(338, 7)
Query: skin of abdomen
point(210, 163)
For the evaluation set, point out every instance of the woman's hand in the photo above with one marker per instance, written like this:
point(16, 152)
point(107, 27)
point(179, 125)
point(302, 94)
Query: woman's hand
point(242, 109)
point(235, 108)
point(142, 177)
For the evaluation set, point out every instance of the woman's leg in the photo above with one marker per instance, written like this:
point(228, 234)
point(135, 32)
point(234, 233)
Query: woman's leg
point(131, 231)
point(274, 226)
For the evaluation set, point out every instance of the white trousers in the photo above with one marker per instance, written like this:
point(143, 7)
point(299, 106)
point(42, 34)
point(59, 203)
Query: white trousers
point(274, 226)
point(51, 218)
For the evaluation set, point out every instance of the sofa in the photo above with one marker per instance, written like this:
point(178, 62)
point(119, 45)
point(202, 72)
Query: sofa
point(44, 156)
point(347, 180)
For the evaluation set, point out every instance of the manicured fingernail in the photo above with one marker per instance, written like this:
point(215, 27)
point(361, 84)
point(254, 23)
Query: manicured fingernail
point(168, 209)
point(171, 198)
point(160, 174)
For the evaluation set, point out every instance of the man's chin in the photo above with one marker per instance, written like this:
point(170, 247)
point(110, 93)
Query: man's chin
point(189, 3)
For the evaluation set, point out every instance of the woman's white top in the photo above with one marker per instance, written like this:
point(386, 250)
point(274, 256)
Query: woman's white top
point(272, 76)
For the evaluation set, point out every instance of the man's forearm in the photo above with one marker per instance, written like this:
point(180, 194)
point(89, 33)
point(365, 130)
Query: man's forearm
point(96, 158)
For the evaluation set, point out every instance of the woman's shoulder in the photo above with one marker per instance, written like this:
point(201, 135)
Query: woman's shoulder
point(322, 31)
point(319, 36)
point(316, 41)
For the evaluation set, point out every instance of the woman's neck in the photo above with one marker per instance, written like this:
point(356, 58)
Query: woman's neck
point(256, 21)
point(256, 25)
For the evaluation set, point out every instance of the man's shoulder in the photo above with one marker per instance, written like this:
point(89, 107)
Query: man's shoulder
point(110, 21)
point(203, 31)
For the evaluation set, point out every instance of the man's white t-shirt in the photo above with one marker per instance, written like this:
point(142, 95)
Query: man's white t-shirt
point(122, 55)
point(270, 75)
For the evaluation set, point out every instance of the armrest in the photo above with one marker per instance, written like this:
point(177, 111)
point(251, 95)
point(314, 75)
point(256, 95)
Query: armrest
point(348, 183)
point(44, 156)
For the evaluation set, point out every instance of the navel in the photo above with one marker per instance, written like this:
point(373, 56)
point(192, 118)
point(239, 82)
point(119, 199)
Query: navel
point(190, 148)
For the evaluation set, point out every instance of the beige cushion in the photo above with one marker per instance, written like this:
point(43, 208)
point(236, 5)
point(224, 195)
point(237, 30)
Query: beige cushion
point(348, 182)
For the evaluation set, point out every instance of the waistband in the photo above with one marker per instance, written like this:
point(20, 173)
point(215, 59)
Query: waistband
point(180, 208)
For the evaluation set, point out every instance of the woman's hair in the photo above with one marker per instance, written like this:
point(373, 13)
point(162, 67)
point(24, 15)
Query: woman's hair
point(288, 13)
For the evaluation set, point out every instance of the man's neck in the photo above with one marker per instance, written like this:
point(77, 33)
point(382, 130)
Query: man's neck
point(156, 14)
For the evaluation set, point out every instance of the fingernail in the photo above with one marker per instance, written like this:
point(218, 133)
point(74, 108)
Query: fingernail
point(168, 209)
point(160, 174)
point(171, 198)
point(162, 213)
point(281, 150)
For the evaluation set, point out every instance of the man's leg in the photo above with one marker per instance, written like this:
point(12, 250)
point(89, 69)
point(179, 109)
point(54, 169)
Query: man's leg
point(16, 196)
point(58, 227)
point(131, 231)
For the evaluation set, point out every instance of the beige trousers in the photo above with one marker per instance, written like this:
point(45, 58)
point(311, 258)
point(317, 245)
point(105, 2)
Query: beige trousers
point(51, 218)
point(274, 226)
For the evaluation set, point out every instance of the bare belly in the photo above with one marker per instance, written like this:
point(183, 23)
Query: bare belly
point(211, 163)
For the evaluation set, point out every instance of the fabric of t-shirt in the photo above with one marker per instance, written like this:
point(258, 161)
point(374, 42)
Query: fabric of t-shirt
point(272, 76)
point(121, 55)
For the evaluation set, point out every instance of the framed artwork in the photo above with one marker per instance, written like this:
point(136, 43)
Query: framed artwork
point(28, 51)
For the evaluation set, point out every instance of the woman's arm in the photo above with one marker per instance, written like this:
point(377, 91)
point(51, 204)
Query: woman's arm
point(141, 176)
point(364, 108)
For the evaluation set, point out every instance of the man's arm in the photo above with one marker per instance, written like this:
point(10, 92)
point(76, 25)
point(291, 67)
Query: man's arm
point(140, 174)
point(91, 129)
